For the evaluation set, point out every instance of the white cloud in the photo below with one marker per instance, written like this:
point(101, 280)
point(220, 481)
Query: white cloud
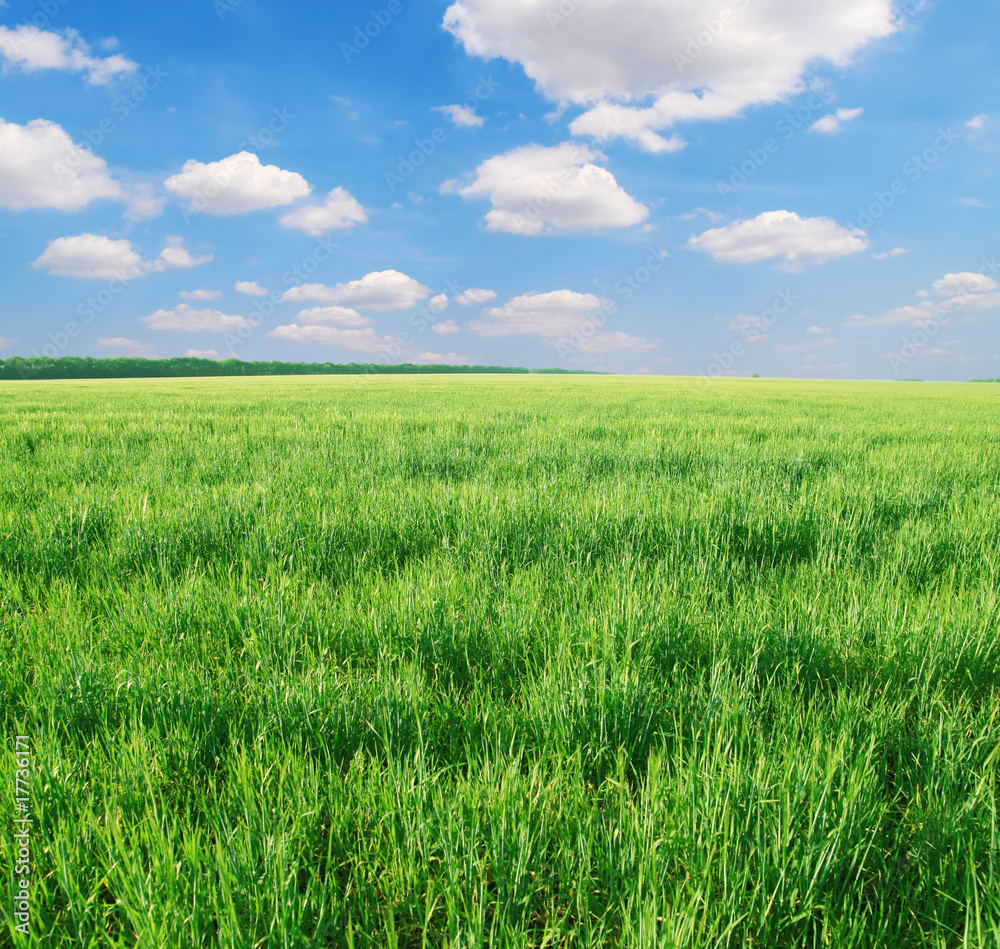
point(442, 359)
point(439, 303)
point(125, 345)
point(977, 123)
point(360, 340)
point(800, 241)
point(610, 55)
point(340, 209)
point(41, 167)
point(382, 290)
point(462, 116)
point(236, 185)
point(535, 189)
point(175, 256)
point(6, 342)
point(550, 315)
point(251, 288)
point(713, 216)
point(448, 326)
point(895, 252)
point(332, 316)
point(952, 284)
point(185, 319)
point(817, 331)
point(202, 354)
point(142, 202)
point(608, 343)
point(31, 49)
point(475, 296)
point(955, 293)
point(200, 294)
point(94, 257)
point(831, 124)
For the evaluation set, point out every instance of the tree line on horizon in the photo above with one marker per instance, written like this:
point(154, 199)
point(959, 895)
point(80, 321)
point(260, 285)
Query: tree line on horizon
point(135, 367)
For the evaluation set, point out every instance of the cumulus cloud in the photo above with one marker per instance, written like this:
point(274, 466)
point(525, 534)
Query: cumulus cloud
point(834, 123)
point(475, 296)
point(953, 293)
point(176, 256)
point(462, 116)
point(381, 290)
point(41, 167)
point(236, 185)
point(535, 189)
point(6, 342)
point(695, 61)
point(185, 319)
point(800, 241)
point(818, 331)
point(31, 49)
point(448, 326)
point(340, 209)
point(95, 257)
point(955, 284)
point(202, 354)
point(977, 123)
point(439, 303)
point(552, 315)
point(251, 288)
point(200, 294)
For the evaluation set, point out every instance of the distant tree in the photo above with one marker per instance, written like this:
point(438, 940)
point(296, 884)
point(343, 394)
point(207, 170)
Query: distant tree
point(132, 367)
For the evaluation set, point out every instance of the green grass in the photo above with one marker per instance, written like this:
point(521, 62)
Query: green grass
point(504, 662)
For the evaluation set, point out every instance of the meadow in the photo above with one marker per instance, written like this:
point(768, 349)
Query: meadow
point(503, 661)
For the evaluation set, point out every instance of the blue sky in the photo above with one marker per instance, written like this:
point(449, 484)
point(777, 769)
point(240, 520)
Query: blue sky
point(799, 188)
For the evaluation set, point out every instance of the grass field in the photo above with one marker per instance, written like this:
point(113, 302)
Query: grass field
point(504, 662)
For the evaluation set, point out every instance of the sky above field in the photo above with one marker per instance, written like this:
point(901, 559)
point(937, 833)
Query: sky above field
point(725, 187)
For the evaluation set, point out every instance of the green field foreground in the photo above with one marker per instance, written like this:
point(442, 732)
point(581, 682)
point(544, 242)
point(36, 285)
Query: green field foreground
point(436, 661)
